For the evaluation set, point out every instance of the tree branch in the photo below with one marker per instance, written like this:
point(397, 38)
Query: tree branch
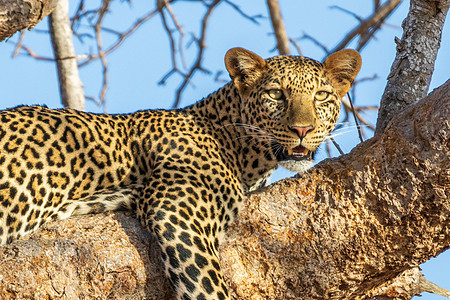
point(201, 47)
point(97, 28)
point(413, 67)
point(380, 14)
point(278, 27)
point(121, 36)
point(173, 48)
point(18, 15)
point(253, 18)
point(70, 85)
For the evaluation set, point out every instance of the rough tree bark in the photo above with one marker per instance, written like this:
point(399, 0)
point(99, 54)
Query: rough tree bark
point(413, 66)
point(91, 257)
point(70, 86)
point(346, 229)
point(18, 15)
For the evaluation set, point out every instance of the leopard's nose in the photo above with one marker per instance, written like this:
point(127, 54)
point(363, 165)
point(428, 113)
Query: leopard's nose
point(302, 131)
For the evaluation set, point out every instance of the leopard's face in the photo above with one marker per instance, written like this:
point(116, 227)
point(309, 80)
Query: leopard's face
point(293, 102)
point(293, 105)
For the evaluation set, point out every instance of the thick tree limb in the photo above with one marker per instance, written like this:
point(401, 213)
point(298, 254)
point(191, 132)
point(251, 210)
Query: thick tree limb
point(413, 67)
point(343, 230)
point(92, 257)
point(352, 223)
point(406, 285)
point(70, 85)
point(18, 15)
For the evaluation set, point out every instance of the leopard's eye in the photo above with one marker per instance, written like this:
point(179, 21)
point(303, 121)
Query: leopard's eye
point(321, 96)
point(276, 94)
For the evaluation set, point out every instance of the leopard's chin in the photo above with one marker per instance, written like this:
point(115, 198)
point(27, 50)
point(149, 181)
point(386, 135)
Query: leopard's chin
point(298, 159)
point(296, 165)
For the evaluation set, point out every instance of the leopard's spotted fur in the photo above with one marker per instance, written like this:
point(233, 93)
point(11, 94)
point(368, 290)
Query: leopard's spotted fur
point(185, 171)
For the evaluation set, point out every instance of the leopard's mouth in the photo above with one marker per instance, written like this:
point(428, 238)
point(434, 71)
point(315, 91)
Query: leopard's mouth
point(298, 153)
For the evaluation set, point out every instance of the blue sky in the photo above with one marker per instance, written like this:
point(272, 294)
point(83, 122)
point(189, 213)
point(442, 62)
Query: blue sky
point(137, 66)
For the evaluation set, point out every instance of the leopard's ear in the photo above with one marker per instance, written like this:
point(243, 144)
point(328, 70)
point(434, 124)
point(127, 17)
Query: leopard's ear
point(245, 67)
point(342, 68)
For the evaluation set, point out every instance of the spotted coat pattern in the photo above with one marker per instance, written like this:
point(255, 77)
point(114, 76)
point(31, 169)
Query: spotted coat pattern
point(185, 172)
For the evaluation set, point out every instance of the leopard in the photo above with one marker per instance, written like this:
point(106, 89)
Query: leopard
point(184, 172)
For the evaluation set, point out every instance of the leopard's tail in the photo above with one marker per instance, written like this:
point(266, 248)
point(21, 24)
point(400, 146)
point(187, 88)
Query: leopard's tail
point(105, 200)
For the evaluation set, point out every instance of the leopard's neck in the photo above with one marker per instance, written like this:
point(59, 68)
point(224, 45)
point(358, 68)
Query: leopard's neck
point(222, 112)
point(220, 109)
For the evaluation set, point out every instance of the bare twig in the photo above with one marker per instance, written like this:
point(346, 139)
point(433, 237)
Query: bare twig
point(297, 46)
point(180, 31)
point(347, 11)
point(217, 77)
point(175, 70)
point(253, 19)
point(360, 80)
point(366, 29)
point(350, 108)
point(33, 54)
point(122, 37)
point(366, 108)
point(380, 14)
point(101, 53)
point(36, 56)
point(19, 44)
point(306, 36)
point(98, 103)
point(201, 46)
point(355, 117)
point(327, 147)
point(337, 146)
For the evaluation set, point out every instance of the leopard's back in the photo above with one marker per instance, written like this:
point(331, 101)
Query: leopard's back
point(50, 158)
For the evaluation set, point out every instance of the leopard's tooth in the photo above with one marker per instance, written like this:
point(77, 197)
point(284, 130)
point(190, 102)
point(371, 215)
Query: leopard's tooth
point(290, 151)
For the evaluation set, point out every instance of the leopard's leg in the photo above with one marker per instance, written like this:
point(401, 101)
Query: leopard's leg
point(102, 201)
point(185, 220)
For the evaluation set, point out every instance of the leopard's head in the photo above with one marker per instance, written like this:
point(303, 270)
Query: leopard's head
point(292, 102)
